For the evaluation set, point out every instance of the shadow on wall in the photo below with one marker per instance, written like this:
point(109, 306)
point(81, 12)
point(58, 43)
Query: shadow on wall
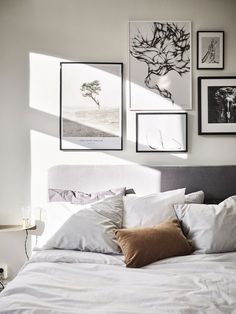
point(44, 92)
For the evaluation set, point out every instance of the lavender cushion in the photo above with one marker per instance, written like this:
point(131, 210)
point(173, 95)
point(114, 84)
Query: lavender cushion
point(78, 197)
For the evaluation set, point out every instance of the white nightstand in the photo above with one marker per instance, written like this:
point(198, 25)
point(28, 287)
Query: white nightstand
point(14, 228)
point(11, 228)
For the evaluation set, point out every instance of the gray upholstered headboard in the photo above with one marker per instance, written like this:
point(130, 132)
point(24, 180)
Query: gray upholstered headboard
point(218, 182)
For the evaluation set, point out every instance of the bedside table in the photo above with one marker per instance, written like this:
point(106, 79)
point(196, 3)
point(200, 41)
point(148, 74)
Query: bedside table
point(10, 228)
point(13, 228)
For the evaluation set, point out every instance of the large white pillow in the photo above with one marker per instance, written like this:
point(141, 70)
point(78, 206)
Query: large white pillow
point(210, 228)
point(85, 228)
point(150, 210)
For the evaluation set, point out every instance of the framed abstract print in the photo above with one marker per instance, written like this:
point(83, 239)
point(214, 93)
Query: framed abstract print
point(217, 105)
point(161, 132)
point(160, 65)
point(91, 106)
point(210, 50)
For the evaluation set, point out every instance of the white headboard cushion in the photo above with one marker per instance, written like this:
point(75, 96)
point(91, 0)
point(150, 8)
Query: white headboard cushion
point(92, 178)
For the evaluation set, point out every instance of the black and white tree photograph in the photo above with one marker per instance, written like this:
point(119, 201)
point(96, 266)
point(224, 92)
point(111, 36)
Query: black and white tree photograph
point(210, 50)
point(222, 104)
point(91, 106)
point(217, 105)
point(160, 65)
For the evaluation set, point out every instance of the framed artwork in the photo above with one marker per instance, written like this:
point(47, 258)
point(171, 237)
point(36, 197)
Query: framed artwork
point(91, 104)
point(217, 105)
point(210, 50)
point(160, 65)
point(161, 132)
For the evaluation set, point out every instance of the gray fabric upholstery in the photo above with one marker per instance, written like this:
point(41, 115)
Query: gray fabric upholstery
point(217, 182)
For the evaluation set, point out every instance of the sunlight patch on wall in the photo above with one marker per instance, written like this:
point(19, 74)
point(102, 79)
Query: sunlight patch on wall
point(44, 89)
point(180, 155)
point(45, 154)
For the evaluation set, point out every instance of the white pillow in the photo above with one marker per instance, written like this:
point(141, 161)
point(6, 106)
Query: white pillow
point(85, 228)
point(195, 198)
point(210, 228)
point(150, 210)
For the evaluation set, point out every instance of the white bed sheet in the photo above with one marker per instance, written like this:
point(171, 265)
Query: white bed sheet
point(57, 281)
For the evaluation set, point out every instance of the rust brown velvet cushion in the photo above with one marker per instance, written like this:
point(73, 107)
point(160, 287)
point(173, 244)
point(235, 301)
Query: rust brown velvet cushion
point(143, 246)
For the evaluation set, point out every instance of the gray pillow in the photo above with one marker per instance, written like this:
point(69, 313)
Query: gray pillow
point(90, 228)
point(210, 228)
point(82, 198)
point(195, 198)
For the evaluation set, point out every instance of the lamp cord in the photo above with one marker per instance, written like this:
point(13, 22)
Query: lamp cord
point(2, 285)
point(26, 238)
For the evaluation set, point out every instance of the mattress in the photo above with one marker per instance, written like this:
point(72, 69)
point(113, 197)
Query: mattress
point(61, 281)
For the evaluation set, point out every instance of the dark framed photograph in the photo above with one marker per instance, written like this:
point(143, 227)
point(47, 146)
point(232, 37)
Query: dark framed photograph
point(161, 132)
point(217, 105)
point(160, 65)
point(91, 104)
point(210, 50)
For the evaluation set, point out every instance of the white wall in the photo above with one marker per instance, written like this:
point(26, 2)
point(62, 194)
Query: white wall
point(35, 36)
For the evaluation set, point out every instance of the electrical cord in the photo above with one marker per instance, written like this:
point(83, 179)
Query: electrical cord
point(1, 285)
point(26, 238)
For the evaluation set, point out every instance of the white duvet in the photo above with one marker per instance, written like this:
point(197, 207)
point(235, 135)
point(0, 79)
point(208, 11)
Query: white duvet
point(59, 281)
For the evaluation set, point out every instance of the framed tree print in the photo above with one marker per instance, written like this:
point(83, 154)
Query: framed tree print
point(210, 50)
point(91, 106)
point(217, 105)
point(161, 132)
point(160, 65)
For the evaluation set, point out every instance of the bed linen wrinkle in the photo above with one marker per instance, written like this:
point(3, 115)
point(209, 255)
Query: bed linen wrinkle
point(57, 281)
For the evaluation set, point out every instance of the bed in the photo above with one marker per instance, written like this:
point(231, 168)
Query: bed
point(69, 281)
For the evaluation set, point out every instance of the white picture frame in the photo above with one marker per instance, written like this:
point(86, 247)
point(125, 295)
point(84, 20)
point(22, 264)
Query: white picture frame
point(160, 72)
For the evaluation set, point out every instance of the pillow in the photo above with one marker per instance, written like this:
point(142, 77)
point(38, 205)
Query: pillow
point(85, 228)
point(78, 197)
point(150, 210)
point(211, 228)
point(142, 246)
point(195, 198)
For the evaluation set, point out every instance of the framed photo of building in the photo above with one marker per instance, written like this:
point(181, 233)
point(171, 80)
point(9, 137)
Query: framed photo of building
point(160, 65)
point(217, 105)
point(161, 132)
point(210, 50)
point(91, 106)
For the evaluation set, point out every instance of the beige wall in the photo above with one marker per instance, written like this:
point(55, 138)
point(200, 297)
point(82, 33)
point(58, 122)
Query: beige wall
point(35, 35)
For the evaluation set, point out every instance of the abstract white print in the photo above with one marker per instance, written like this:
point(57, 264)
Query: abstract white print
point(91, 106)
point(160, 65)
point(160, 132)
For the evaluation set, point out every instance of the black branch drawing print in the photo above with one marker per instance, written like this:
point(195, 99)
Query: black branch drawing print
point(92, 89)
point(210, 55)
point(167, 49)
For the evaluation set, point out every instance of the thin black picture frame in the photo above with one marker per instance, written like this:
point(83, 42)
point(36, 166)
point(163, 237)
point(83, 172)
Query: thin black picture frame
point(223, 51)
point(200, 112)
point(162, 113)
point(121, 109)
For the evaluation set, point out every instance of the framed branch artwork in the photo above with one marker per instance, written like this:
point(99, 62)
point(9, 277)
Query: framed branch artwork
point(91, 106)
point(217, 105)
point(160, 65)
point(210, 50)
point(161, 132)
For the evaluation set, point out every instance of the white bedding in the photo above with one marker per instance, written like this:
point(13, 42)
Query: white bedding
point(59, 281)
